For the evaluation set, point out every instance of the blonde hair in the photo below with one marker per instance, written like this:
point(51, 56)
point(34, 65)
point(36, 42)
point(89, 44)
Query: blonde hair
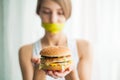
point(65, 4)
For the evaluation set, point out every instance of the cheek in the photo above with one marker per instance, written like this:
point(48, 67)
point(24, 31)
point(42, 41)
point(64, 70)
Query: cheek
point(44, 19)
point(62, 19)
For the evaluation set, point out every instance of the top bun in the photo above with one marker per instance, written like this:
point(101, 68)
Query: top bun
point(55, 51)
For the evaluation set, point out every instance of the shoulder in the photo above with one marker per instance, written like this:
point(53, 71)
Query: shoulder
point(83, 43)
point(25, 51)
point(84, 48)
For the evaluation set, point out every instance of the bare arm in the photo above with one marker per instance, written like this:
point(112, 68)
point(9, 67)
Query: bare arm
point(25, 62)
point(28, 71)
point(85, 60)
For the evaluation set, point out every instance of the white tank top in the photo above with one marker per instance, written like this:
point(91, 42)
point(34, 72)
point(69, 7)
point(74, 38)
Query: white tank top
point(71, 45)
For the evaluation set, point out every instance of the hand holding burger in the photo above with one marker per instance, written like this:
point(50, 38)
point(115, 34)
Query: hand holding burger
point(56, 61)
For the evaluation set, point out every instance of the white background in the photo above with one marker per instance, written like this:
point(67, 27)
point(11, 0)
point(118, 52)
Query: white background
point(95, 20)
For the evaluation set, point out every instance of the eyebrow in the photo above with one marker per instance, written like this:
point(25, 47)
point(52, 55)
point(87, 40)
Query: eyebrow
point(45, 7)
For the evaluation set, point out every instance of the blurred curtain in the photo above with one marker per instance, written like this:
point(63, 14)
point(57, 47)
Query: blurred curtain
point(1, 43)
point(10, 39)
point(95, 20)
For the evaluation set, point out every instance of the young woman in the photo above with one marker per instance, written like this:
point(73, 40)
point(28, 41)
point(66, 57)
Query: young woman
point(54, 14)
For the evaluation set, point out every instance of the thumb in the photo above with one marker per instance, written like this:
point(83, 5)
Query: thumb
point(35, 60)
point(38, 61)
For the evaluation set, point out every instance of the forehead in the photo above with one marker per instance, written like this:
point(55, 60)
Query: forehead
point(50, 4)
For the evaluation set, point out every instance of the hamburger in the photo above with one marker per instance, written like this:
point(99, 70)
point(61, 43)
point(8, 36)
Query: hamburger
point(55, 58)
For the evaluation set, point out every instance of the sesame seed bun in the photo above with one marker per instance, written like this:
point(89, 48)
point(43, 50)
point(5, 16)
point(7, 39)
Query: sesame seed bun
point(55, 51)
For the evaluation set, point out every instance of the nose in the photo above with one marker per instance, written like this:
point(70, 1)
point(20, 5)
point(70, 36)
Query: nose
point(53, 18)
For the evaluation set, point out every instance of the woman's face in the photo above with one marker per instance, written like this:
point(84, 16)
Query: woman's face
point(51, 12)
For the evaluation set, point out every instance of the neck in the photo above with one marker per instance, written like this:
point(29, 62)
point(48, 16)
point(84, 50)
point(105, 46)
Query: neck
point(54, 39)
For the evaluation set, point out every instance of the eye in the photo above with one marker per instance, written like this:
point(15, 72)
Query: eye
point(60, 13)
point(46, 12)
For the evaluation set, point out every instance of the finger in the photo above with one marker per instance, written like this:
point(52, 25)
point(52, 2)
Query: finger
point(38, 61)
point(33, 60)
point(56, 74)
point(59, 74)
point(63, 73)
point(50, 73)
point(67, 72)
point(69, 68)
point(62, 70)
